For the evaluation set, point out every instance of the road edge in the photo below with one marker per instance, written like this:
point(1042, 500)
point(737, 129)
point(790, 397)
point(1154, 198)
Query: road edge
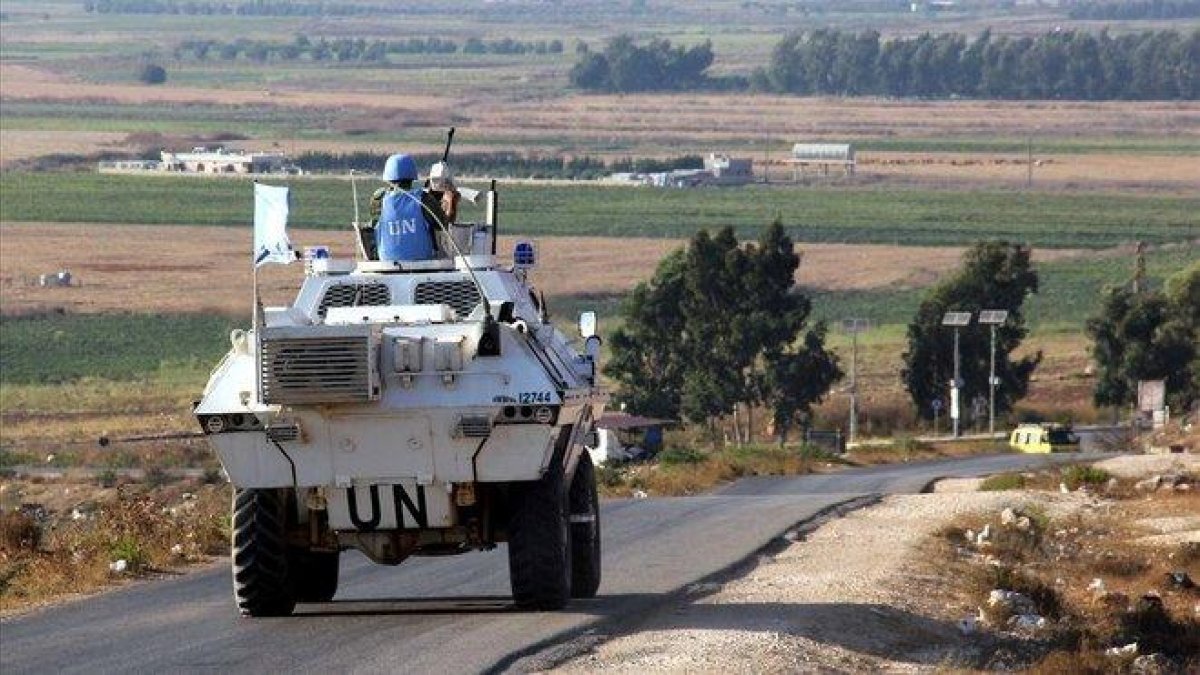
point(571, 643)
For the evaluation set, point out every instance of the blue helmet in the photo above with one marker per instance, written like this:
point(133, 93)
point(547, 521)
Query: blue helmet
point(399, 168)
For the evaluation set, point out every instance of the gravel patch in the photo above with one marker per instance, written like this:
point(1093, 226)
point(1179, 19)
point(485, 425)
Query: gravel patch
point(840, 600)
point(1140, 466)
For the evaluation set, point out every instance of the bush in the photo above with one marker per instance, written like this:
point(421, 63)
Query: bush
point(128, 548)
point(152, 73)
point(1003, 481)
point(1077, 476)
point(672, 456)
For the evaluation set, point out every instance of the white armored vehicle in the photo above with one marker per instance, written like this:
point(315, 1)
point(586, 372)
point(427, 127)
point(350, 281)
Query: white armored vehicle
point(409, 408)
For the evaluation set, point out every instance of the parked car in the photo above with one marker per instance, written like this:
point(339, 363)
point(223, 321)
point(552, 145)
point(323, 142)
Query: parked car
point(1043, 438)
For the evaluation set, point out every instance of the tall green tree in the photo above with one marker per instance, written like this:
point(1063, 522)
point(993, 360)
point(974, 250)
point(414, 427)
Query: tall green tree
point(720, 325)
point(994, 275)
point(648, 359)
point(1149, 335)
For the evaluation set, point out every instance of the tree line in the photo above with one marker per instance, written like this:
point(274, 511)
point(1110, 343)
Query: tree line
point(511, 164)
point(344, 50)
point(624, 66)
point(1145, 9)
point(1151, 65)
point(720, 327)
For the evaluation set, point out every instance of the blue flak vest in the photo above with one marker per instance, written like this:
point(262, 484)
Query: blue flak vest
point(403, 231)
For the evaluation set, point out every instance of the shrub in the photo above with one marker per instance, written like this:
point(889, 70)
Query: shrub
point(128, 548)
point(1076, 476)
point(1003, 481)
point(673, 456)
point(152, 73)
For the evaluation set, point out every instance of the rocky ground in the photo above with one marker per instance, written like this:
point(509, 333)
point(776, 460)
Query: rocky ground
point(875, 590)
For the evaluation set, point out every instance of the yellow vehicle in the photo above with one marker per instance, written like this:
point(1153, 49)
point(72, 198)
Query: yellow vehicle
point(1043, 438)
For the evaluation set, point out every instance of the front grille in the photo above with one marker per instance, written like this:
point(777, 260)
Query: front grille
point(462, 296)
point(473, 426)
point(354, 295)
point(316, 370)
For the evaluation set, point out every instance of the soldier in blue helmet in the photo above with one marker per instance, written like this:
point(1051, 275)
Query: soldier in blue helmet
point(404, 220)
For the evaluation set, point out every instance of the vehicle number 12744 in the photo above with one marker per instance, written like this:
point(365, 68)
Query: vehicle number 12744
point(528, 397)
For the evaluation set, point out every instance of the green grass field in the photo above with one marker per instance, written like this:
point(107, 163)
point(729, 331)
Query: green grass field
point(853, 215)
point(63, 348)
point(1069, 291)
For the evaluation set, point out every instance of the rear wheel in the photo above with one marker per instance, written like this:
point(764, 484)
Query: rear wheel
point(585, 530)
point(539, 560)
point(260, 557)
point(314, 574)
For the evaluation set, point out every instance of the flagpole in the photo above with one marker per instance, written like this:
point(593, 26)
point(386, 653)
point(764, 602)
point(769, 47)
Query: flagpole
point(254, 310)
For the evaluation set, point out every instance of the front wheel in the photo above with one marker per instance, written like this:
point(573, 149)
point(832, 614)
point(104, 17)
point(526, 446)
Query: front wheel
point(261, 584)
point(539, 560)
point(585, 530)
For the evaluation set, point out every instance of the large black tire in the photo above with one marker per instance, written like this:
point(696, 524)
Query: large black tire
point(261, 585)
point(314, 574)
point(539, 560)
point(585, 530)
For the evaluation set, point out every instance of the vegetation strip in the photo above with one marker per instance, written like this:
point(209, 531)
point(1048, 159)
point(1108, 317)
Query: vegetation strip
point(852, 215)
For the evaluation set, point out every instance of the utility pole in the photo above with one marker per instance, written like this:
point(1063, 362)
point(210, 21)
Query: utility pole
point(956, 320)
point(993, 318)
point(854, 327)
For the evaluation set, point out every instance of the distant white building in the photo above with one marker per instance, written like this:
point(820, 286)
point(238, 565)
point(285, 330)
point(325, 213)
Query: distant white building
point(207, 160)
point(821, 156)
point(718, 170)
point(220, 160)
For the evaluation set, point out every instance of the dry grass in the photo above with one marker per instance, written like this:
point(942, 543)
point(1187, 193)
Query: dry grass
point(18, 144)
point(658, 121)
point(114, 267)
point(689, 472)
point(48, 556)
point(23, 82)
point(1056, 559)
point(1093, 169)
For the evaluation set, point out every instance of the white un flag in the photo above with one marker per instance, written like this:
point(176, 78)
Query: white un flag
point(271, 243)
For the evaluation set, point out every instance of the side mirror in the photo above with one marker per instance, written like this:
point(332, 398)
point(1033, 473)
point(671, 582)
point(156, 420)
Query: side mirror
point(587, 324)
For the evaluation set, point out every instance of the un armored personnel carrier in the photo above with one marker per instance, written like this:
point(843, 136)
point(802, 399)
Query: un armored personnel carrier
point(408, 409)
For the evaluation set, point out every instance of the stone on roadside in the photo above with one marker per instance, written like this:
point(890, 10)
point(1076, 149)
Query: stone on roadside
point(1008, 516)
point(1149, 484)
point(1151, 664)
point(984, 536)
point(1128, 650)
point(1023, 523)
point(1003, 604)
point(1027, 622)
point(118, 566)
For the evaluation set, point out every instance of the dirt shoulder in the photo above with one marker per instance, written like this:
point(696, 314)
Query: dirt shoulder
point(858, 594)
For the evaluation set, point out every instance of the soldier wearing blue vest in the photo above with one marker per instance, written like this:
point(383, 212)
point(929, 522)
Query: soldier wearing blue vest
point(405, 220)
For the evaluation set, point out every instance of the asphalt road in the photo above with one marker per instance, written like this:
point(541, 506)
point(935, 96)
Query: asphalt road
point(447, 615)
